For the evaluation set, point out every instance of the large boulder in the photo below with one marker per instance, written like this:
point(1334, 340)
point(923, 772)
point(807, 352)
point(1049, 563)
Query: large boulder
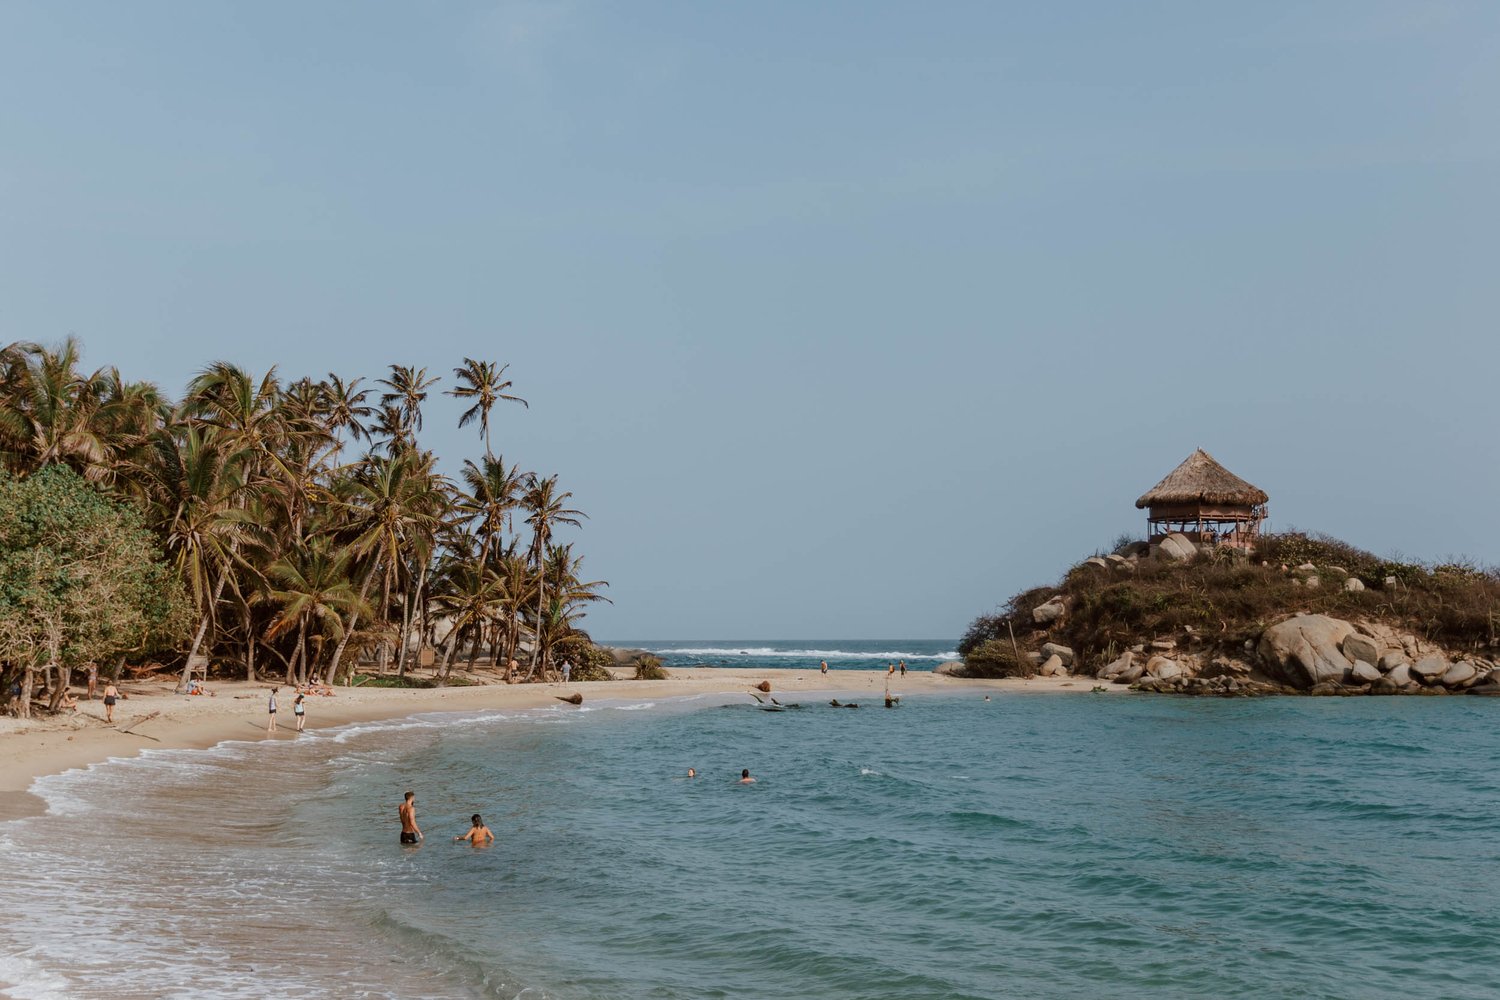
point(1049, 612)
point(1131, 674)
point(1430, 668)
point(1176, 547)
point(1400, 674)
point(1096, 561)
point(1162, 668)
point(953, 668)
point(1390, 661)
point(1354, 584)
point(1052, 667)
point(1304, 651)
point(1060, 651)
point(1459, 674)
point(1363, 673)
point(1114, 669)
point(1361, 647)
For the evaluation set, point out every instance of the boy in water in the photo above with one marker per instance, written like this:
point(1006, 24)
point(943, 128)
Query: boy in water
point(479, 834)
point(407, 812)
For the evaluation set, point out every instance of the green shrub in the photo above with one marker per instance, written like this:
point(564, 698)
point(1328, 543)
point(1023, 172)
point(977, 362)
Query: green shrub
point(649, 668)
point(997, 658)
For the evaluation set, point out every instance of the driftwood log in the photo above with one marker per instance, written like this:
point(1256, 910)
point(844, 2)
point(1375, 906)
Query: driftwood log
point(764, 686)
point(572, 699)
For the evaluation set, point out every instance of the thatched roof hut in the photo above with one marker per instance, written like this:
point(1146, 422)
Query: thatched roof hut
point(1205, 501)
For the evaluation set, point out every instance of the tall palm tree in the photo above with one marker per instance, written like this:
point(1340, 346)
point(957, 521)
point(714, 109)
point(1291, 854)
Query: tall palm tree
point(406, 389)
point(389, 503)
point(344, 406)
point(549, 510)
point(493, 493)
point(486, 384)
point(313, 588)
point(51, 413)
point(196, 493)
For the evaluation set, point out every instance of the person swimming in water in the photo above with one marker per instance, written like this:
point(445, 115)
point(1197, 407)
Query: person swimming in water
point(479, 834)
point(692, 772)
point(745, 778)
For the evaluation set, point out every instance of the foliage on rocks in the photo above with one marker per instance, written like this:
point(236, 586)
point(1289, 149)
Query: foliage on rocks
point(1225, 599)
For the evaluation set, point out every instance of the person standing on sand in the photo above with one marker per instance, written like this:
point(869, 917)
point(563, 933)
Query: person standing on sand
point(567, 671)
point(271, 708)
point(300, 711)
point(407, 812)
point(903, 668)
point(479, 835)
point(93, 679)
point(825, 668)
point(111, 695)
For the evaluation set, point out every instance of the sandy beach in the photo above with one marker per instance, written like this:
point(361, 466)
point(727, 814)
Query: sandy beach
point(236, 711)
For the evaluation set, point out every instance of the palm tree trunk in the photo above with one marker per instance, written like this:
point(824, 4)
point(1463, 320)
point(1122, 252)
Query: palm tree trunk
point(299, 653)
point(208, 613)
point(338, 652)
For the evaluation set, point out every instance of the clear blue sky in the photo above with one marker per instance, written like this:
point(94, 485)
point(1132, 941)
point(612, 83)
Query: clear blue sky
point(841, 319)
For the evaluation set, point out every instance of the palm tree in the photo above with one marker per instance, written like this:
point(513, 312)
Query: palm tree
point(344, 406)
point(311, 587)
point(470, 594)
point(51, 413)
point(196, 493)
point(493, 493)
point(486, 384)
point(407, 390)
point(390, 503)
point(548, 510)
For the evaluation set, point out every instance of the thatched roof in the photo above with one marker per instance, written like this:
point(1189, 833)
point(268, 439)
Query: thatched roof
point(1200, 479)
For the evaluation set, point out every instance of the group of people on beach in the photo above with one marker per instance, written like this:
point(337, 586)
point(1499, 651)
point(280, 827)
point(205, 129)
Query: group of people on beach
point(299, 703)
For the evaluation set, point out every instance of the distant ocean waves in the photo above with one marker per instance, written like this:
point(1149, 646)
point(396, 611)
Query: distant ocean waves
point(846, 654)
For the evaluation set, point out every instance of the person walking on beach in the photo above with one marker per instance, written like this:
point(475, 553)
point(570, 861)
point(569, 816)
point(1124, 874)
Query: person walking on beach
point(825, 668)
point(93, 679)
point(567, 671)
point(407, 812)
point(478, 834)
point(300, 711)
point(111, 695)
point(903, 668)
point(271, 709)
point(745, 778)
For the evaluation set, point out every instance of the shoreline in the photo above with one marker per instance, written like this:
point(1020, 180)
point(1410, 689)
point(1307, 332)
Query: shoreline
point(30, 749)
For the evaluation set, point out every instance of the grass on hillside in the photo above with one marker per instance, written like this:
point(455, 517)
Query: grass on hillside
point(1227, 598)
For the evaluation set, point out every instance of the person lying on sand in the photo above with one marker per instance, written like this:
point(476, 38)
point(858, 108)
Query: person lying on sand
point(479, 834)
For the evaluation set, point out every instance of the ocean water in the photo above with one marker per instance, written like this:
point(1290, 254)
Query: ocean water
point(841, 654)
point(1037, 845)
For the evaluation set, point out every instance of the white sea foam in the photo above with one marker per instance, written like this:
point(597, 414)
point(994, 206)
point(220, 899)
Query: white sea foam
point(24, 979)
point(810, 654)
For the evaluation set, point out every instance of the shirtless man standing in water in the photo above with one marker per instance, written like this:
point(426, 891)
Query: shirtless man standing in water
point(410, 832)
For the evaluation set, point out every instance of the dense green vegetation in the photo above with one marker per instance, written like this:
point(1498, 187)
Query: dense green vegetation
point(287, 527)
point(1227, 598)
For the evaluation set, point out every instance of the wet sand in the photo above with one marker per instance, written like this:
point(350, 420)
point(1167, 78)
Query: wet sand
point(237, 711)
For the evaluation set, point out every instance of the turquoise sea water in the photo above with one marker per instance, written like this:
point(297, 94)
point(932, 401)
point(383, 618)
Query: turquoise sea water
point(793, 654)
point(1032, 846)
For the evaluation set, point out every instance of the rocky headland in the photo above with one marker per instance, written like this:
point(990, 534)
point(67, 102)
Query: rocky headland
point(1301, 615)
